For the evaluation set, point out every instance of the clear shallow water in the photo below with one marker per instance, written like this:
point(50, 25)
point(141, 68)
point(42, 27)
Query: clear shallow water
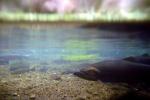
point(56, 51)
point(68, 45)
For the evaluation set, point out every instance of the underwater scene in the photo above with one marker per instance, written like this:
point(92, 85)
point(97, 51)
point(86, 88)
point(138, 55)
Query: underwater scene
point(41, 61)
point(74, 49)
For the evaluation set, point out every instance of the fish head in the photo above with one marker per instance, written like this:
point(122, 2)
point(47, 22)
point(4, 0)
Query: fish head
point(89, 73)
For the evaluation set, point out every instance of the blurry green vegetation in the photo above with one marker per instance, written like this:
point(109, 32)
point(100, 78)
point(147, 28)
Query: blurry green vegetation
point(80, 44)
point(91, 16)
point(80, 57)
point(77, 48)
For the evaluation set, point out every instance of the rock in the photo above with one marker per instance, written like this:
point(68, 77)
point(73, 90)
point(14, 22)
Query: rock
point(81, 98)
point(15, 94)
point(44, 69)
point(20, 66)
point(32, 96)
point(4, 62)
point(56, 76)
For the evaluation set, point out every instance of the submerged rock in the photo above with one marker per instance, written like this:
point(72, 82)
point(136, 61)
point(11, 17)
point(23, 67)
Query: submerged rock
point(15, 94)
point(19, 66)
point(4, 62)
point(43, 69)
point(56, 76)
point(32, 96)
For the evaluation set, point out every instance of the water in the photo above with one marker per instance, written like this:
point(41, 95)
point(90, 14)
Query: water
point(61, 45)
point(37, 60)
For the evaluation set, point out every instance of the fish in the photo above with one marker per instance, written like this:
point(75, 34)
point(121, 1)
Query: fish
point(143, 59)
point(128, 70)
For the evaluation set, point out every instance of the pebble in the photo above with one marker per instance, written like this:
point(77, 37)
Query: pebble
point(80, 98)
point(56, 77)
point(15, 94)
point(32, 96)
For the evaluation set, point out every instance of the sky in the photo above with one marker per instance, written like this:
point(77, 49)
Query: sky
point(69, 6)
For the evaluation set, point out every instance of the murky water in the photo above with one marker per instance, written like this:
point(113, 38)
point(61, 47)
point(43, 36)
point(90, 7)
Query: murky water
point(62, 45)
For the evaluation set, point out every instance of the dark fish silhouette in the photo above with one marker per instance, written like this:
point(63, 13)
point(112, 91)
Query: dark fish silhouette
point(144, 59)
point(129, 70)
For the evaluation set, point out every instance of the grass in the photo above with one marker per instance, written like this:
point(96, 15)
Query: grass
point(92, 16)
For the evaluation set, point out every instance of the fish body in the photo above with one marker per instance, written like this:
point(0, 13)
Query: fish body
point(126, 70)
